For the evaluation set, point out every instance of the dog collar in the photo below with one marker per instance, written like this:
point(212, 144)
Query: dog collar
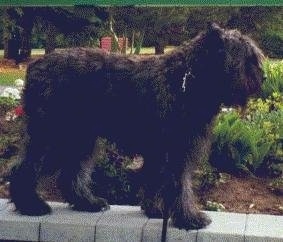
point(185, 78)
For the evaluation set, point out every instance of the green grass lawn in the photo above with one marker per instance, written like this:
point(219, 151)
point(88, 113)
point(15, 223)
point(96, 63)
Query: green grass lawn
point(33, 52)
point(151, 50)
point(144, 51)
point(9, 75)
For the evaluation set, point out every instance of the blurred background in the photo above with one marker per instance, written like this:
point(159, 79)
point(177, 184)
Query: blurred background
point(38, 30)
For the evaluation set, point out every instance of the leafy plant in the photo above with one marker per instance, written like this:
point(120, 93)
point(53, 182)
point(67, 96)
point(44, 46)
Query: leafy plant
point(272, 42)
point(273, 71)
point(214, 206)
point(234, 143)
point(11, 134)
point(250, 142)
point(277, 186)
point(111, 178)
point(267, 115)
point(7, 104)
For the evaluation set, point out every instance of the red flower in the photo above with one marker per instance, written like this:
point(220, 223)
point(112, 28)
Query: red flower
point(19, 111)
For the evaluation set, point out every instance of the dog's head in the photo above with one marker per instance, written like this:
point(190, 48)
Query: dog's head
point(228, 64)
point(242, 66)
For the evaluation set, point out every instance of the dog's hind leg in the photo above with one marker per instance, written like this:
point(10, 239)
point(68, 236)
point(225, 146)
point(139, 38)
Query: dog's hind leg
point(152, 179)
point(152, 204)
point(76, 184)
point(77, 188)
point(23, 181)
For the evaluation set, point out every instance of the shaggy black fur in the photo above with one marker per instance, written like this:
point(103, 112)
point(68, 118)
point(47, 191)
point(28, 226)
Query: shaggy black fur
point(159, 107)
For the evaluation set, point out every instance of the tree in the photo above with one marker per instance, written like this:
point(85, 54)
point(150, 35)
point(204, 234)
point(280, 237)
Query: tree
point(128, 22)
point(199, 17)
point(10, 35)
point(59, 20)
point(264, 24)
point(19, 23)
point(166, 25)
point(50, 38)
point(157, 26)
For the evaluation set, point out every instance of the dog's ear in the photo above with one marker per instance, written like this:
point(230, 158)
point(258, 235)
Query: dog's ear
point(214, 33)
point(213, 27)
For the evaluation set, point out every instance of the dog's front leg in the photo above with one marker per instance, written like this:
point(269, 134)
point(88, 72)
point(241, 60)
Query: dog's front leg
point(185, 214)
point(184, 211)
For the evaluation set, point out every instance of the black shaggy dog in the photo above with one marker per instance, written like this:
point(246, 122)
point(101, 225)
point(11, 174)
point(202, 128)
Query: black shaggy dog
point(158, 106)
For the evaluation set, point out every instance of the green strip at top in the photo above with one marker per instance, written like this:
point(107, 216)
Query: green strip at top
point(139, 2)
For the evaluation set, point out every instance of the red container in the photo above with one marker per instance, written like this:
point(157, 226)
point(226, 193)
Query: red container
point(106, 43)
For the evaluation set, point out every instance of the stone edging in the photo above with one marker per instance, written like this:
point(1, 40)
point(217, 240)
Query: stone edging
point(127, 223)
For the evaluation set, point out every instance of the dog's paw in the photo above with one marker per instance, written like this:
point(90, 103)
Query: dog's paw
point(97, 204)
point(189, 222)
point(152, 212)
point(33, 207)
point(152, 209)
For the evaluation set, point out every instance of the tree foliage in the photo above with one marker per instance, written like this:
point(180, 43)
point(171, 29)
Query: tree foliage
point(20, 21)
point(264, 24)
point(158, 26)
point(25, 27)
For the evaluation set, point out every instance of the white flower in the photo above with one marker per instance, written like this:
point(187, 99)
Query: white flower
point(19, 83)
point(10, 116)
point(11, 92)
point(226, 110)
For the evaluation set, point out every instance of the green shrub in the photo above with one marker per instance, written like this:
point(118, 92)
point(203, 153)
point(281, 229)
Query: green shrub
point(267, 115)
point(10, 131)
point(272, 43)
point(234, 144)
point(246, 142)
point(277, 186)
point(10, 138)
point(7, 103)
point(273, 71)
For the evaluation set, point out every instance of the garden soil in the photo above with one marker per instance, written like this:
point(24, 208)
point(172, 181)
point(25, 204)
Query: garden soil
point(237, 194)
point(245, 195)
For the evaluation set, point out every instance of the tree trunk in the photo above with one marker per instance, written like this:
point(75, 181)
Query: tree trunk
point(26, 23)
point(132, 43)
point(139, 42)
point(11, 39)
point(25, 50)
point(50, 38)
point(11, 47)
point(159, 48)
